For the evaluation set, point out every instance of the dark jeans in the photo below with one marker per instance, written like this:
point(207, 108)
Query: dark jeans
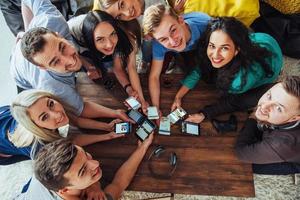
point(276, 168)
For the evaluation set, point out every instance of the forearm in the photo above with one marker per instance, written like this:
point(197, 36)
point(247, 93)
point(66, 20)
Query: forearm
point(154, 90)
point(121, 75)
point(135, 82)
point(90, 124)
point(128, 169)
point(182, 92)
point(85, 139)
point(94, 110)
point(27, 15)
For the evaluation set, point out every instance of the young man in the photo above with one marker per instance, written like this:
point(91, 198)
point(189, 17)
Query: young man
point(170, 33)
point(271, 136)
point(50, 60)
point(65, 171)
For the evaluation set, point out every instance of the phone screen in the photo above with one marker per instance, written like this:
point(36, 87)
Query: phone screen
point(135, 115)
point(122, 128)
point(142, 134)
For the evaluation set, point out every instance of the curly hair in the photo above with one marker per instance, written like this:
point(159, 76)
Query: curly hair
point(249, 52)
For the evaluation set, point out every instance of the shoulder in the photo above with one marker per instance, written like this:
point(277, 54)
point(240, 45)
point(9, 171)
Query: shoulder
point(196, 18)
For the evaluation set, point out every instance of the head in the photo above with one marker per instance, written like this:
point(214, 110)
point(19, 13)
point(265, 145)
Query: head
point(61, 166)
point(49, 51)
point(226, 37)
point(125, 10)
point(41, 113)
point(177, 5)
point(163, 24)
point(280, 104)
point(103, 36)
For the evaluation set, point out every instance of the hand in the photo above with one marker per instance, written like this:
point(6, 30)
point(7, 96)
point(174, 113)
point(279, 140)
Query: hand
point(196, 118)
point(123, 116)
point(132, 92)
point(93, 73)
point(145, 105)
point(147, 142)
point(111, 125)
point(93, 192)
point(176, 104)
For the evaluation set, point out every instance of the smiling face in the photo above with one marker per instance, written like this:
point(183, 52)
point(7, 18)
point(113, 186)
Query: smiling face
point(221, 49)
point(48, 113)
point(126, 10)
point(172, 33)
point(105, 38)
point(83, 172)
point(58, 55)
point(277, 106)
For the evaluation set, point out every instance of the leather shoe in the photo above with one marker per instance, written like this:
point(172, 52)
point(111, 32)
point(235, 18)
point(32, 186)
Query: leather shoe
point(225, 125)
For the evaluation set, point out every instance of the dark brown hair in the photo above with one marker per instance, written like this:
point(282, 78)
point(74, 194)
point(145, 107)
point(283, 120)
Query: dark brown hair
point(52, 162)
point(33, 42)
point(292, 85)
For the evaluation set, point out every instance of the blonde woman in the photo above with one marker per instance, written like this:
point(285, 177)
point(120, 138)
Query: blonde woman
point(45, 119)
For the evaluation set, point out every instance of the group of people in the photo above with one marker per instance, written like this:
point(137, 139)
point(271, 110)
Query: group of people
point(217, 47)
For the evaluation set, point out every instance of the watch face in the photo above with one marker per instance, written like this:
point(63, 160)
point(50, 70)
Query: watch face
point(135, 115)
point(141, 133)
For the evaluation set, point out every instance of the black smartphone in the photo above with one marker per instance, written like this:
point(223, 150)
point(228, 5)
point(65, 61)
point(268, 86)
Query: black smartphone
point(135, 116)
point(123, 128)
point(190, 128)
point(142, 134)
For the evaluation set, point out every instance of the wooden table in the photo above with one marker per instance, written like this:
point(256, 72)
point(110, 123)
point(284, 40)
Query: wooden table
point(206, 165)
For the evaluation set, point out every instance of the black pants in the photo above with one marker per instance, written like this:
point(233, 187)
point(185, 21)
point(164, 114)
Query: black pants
point(276, 168)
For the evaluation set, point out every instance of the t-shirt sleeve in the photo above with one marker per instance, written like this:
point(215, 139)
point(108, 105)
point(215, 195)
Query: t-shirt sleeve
point(45, 14)
point(67, 94)
point(191, 80)
point(158, 51)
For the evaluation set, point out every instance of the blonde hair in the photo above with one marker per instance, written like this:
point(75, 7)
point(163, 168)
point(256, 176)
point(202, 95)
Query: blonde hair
point(153, 16)
point(19, 110)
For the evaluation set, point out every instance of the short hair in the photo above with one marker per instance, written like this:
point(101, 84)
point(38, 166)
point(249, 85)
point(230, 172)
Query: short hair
point(33, 42)
point(153, 16)
point(292, 86)
point(53, 161)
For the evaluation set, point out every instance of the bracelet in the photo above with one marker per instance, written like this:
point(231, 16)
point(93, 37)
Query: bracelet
point(126, 86)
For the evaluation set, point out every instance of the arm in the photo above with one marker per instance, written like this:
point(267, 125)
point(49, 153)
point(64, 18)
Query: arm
point(119, 71)
point(27, 15)
point(86, 139)
point(154, 81)
point(126, 172)
point(251, 149)
point(135, 81)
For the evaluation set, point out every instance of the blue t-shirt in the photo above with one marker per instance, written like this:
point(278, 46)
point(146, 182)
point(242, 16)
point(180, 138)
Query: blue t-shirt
point(30, 76)
point(7, 126)
point(197, 23)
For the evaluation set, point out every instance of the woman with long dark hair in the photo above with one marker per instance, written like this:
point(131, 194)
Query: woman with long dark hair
point(242, 65)
point(103, 36)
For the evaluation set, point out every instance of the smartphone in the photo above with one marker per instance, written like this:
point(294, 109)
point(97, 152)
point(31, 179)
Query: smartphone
point(135, 116)
point(190, 128)
point(148, 126)
point(165, 126)
point(152, 112)
point(133, 103)
point(176, 115)
point(142, 134)
point(123, 128)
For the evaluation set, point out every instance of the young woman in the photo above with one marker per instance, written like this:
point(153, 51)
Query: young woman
point(100, 33)
point(38, 117)
point(242, 64)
